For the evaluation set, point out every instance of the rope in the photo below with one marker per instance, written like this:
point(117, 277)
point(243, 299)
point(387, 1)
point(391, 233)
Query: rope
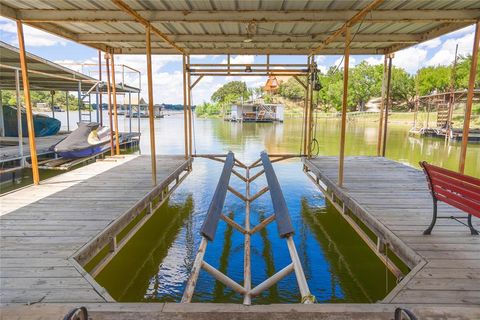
point(315, 145)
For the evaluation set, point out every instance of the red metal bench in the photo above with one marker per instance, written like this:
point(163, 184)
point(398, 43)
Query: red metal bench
point(456, 189)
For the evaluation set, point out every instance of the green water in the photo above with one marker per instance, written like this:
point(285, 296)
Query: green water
point(155, 264)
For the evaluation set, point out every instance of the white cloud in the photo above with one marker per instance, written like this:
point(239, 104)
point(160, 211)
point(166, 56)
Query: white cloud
point(430, 44)
point(340, 63)
point(374, 61)
point(446, 54)
point(33, 37)
point(241, 59)
point(410, 59)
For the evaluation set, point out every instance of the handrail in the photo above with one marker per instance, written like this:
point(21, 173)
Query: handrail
point(214, 213)
point(284, 224)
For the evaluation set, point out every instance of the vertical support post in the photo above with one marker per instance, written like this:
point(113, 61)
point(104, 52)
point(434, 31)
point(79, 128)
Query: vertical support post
point(52, 96)
point(79, 94)
point(305, 115)
point(99, 101)
point(130, 113)
point(68, 110)
point(228, 63)
point(110, 120)
point(97, 95)
point(19, 117)
point(2, 121)
point(382, 107)
point(28, 104)
point(115, 114)
point(151, 114)
point(468, 107)
point(189, 103)
point(310, 85)
point(387, 103)
point(138, 112)
point(344, 107)
point(185, 116)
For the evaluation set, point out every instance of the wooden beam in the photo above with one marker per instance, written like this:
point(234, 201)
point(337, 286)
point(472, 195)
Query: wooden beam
point(185, 115)
point(346, 62)
point(151, 112)
point(109, 94)
point(115, 114)
point(126, 8)
point(468, 107)
point(353, 20)
point(241, 16)
point(387, 103)
point(382, 107)
point(190, 113)
point(28, 104)
point(259, 49)
point(88, 38)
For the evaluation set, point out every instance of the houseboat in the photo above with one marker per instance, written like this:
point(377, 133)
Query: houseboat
point(255, 112)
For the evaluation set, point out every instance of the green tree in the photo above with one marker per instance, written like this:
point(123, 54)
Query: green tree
point(364, 83)
point(233, 90)
point(433, 78)
point(403, 88)
point(462, 73)
point(291, 89)
point(330, 96)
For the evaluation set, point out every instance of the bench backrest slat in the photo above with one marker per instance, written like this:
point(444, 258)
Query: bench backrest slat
point(456, 189)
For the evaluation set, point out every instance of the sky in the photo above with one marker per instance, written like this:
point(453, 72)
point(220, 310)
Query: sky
point(167, 69)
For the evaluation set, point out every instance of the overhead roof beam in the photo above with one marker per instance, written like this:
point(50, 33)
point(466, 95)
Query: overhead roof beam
point(219, 16)
point(122, 5)
point(355, 19)
point(135, 37)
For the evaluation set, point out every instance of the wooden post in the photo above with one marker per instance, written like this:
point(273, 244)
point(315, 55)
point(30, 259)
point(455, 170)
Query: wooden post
point(19, 118)
point(310, 85)
point(305, 115)
point(185, 110)
point(468, 107)
point(68, 110)
point(99, 101)
point(189, 104)
point(387, 103)
point(151, 115)
point(346, 61)
point(382, 107)
point(110, 120)
point(115, 115)
point(28, 104)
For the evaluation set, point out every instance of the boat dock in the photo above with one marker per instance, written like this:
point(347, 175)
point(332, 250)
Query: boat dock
point(50, 231)
point(394, 202)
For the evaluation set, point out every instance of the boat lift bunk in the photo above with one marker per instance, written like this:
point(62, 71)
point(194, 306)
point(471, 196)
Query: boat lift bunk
point(280, 215)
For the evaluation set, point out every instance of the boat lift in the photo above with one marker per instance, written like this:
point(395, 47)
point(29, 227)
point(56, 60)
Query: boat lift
point(280, 215)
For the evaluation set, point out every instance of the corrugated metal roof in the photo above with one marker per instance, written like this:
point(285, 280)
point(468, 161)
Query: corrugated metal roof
point(45, 74)
point(220, 26)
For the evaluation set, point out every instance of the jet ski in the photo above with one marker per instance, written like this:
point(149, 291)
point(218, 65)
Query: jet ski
point(87, 140)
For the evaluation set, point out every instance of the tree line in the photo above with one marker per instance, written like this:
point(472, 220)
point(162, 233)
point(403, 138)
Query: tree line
point(365, 82)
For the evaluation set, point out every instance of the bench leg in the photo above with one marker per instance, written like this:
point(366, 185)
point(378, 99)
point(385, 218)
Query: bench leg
point(434, 218)
point(470, 225)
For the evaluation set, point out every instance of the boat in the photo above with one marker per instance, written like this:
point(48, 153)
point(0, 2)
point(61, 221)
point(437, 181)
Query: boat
point(87, 140)
point(43, 124)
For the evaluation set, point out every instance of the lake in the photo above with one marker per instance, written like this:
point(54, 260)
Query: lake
point(155, 264)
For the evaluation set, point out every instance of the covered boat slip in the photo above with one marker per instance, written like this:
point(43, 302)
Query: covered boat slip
point(229, 27)
point(48, 232)
point(394, 202)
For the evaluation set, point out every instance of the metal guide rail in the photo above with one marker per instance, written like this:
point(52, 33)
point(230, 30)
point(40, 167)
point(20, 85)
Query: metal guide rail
point(280, 215)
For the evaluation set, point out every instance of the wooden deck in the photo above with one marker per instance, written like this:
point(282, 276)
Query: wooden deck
point(393, 200)
point(44, 227)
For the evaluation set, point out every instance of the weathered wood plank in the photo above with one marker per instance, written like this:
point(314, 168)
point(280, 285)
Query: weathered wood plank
point(394, 201)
